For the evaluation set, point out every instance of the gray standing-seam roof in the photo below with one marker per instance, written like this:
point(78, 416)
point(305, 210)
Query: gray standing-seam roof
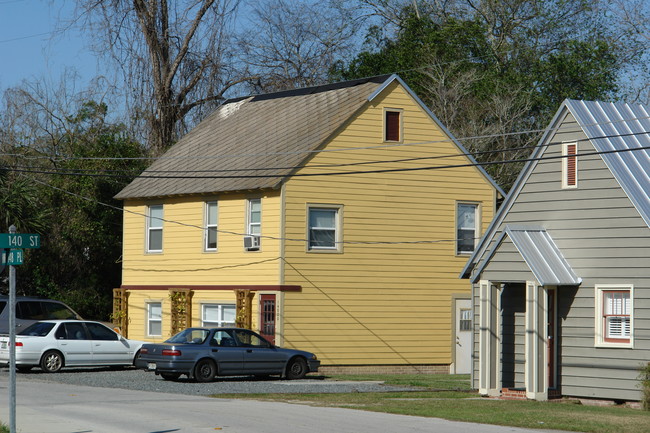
point(256, 142)
point(541, 255)
point(621, 133)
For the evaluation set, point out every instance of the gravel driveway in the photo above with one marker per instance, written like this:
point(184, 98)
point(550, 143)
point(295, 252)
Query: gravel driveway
point(130, 378)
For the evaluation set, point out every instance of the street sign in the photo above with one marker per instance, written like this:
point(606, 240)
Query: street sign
point(20, 240)
point(12, 257)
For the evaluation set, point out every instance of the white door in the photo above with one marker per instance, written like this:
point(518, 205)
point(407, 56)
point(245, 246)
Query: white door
point(463, 325)
point(107, 346)
point(73, 342)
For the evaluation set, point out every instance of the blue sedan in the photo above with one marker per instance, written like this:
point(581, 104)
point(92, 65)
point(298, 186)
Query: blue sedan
point(204, 353)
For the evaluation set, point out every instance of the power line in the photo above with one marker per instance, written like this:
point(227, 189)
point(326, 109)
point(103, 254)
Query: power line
point(562, 128)
point(67, 172)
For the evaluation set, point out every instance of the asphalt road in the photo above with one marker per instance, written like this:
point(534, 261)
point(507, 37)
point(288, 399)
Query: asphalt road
point(59, 403)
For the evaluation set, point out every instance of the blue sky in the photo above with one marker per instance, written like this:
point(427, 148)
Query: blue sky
point(30, 48)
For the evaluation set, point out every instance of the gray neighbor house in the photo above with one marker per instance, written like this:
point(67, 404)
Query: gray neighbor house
point(561, 279)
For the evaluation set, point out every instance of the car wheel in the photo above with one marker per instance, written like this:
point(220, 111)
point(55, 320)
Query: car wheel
point(24, 368)
point(170, 376)
point(135, 358)
point(297, 368)
point(52, 361)
point(205, 371)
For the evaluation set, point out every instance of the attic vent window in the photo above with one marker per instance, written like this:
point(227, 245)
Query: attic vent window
point(570, 165)
point(392, 125)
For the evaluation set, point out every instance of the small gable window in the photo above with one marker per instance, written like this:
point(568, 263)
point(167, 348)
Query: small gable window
point(570, 165)
point(392, 125)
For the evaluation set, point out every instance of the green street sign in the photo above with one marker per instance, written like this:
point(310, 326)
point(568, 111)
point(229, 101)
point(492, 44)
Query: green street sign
point(12, 257)
point(20, 240)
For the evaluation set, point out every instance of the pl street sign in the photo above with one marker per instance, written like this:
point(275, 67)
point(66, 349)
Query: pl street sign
point(12, 257)
point(20, 240)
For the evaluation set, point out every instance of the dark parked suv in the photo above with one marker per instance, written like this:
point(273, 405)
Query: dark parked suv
point(30, 310)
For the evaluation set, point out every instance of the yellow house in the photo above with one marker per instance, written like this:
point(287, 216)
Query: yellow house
point(333, 219)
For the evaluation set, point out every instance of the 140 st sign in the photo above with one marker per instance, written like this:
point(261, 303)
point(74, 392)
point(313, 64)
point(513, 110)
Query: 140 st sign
point(20, 240)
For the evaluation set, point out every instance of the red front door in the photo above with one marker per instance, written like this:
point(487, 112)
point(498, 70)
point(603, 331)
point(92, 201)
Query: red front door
point(267, 317)
point(551, 339)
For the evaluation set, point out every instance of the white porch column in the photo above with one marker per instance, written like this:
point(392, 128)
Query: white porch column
point(535, 342)
point(489, 349)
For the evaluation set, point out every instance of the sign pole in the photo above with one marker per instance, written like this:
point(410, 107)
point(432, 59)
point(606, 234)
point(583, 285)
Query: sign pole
point(12, 342)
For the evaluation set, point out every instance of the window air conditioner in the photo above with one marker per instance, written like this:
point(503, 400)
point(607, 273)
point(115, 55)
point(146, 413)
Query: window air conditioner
point(251, 242)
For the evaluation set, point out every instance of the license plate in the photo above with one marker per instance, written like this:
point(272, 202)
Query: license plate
point(151, 366)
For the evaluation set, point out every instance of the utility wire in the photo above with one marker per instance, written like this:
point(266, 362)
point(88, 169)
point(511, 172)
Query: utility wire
point(563, 128)
point(144, 175)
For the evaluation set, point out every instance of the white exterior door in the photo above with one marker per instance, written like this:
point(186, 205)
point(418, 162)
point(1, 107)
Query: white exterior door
point(463, 331)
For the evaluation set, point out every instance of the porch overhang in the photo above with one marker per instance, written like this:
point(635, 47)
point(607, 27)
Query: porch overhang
point(541, 254)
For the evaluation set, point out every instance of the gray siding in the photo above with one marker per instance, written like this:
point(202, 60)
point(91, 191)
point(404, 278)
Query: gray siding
point(606, 241)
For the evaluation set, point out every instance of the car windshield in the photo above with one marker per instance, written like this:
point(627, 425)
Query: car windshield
point(38, 329)
point(190, 336)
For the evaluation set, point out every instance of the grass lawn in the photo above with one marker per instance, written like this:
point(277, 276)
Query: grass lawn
point(450, 397)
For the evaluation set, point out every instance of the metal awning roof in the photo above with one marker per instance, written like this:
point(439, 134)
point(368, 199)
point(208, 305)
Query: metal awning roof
point(540, 253)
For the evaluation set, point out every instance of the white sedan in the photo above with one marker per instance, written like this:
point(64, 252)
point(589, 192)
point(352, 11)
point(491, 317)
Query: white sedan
point(54, 344)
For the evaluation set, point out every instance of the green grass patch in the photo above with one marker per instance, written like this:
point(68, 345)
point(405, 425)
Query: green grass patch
point(450, 382)
point(449, 397)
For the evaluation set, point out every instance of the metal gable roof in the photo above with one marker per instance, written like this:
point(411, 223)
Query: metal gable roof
point(540, 253)
point(621, 133)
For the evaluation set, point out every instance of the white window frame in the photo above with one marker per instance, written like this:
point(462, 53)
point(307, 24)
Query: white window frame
point(220, 310)
point(400, 111)
point(600, 325)
point(565, 164)
point(150, 320)
point(249, 224)
point(477, 226)
point(154, 224)
point(211, 226)
point(338, 228)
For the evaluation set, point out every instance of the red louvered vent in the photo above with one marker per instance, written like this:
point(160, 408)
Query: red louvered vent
point(392, 125)
point(571, 166)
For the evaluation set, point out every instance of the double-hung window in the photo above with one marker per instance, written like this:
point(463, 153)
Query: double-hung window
point(218, 315)
point(154, 319)
point(614, 315)
point(466, 227)
point(155, 228)
point(211, 220)
point(323, 228)
point(254, 221)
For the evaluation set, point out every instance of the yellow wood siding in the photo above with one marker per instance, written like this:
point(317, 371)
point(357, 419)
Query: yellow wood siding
point(183, 261)
point(384, 303)
point(381, 303)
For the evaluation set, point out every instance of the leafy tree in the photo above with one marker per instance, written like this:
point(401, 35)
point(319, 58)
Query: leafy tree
point(79, 258)
point(59, 181)
point(488, 89)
